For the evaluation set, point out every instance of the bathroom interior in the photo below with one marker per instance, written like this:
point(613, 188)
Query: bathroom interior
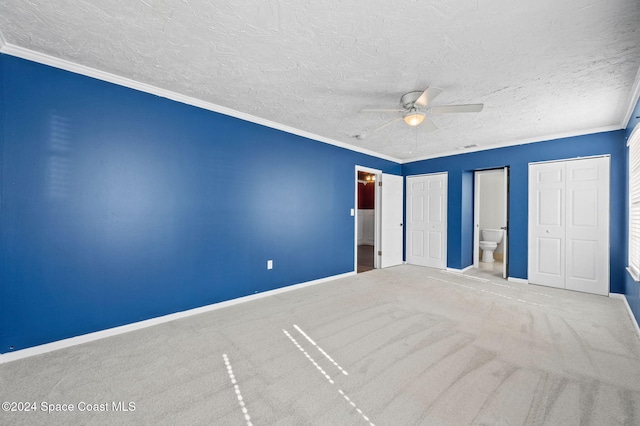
point(490, 221)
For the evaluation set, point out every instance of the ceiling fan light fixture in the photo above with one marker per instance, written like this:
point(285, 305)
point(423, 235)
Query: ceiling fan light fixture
point(414, 118)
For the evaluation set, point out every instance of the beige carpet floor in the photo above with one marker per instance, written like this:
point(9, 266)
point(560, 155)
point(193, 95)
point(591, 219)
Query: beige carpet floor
point(399, 346)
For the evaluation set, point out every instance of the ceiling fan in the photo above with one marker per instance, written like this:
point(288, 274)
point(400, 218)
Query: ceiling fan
point(415, 106)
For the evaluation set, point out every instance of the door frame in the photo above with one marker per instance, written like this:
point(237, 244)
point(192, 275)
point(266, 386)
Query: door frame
point(476, 217)
point(377, 212)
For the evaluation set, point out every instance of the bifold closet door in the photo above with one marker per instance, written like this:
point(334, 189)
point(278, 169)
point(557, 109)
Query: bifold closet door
point(547, 224)
point(427, 220)
point(587, 230)
point(569, 224)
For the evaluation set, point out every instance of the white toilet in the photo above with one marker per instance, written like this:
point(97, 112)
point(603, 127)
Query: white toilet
point(490, 238)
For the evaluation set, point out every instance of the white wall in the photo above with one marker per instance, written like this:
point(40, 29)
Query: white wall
point(366, 226)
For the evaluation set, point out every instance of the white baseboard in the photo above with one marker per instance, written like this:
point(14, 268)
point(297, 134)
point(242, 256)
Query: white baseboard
point(459, 271)
point(77, 340)
point(518, 280)
point(629, 311)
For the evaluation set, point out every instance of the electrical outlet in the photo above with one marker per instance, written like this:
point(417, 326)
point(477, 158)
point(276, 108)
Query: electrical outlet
point(269, 264)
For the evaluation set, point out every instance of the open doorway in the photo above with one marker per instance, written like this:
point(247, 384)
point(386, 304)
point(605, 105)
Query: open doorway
point(366, 220)
point(491, 236)
point(384, 221)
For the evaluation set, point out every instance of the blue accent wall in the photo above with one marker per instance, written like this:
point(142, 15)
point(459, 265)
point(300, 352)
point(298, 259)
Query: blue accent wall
point(631, 287)
point(118, 206)
point(517, 158)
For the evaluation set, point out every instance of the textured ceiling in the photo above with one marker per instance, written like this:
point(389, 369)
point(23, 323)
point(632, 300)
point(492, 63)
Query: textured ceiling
point(542, 68)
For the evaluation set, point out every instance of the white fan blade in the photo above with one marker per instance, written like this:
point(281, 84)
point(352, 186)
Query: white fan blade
point(427, 126)
point(386, 124)
point(382, 110)
point(428, 96)
point(447, 109)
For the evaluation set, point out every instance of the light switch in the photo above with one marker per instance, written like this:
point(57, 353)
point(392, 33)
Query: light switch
point(269, 264)
point(353, 212)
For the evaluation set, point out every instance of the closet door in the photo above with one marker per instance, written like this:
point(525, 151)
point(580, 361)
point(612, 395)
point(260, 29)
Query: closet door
point(569, 224)
point(547, 224)
point(587, 231)
point(427, 220)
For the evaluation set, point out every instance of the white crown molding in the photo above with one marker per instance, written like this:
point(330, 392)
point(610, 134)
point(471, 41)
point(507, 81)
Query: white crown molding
point(635, 96)
point(514, 143)
point(45, 59)
point(73, 67)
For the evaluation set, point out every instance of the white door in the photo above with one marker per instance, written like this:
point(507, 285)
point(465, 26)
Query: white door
point(427, 220)
point(391, 220)
point(588, 225)
point(546, 224)
point(569, 224)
